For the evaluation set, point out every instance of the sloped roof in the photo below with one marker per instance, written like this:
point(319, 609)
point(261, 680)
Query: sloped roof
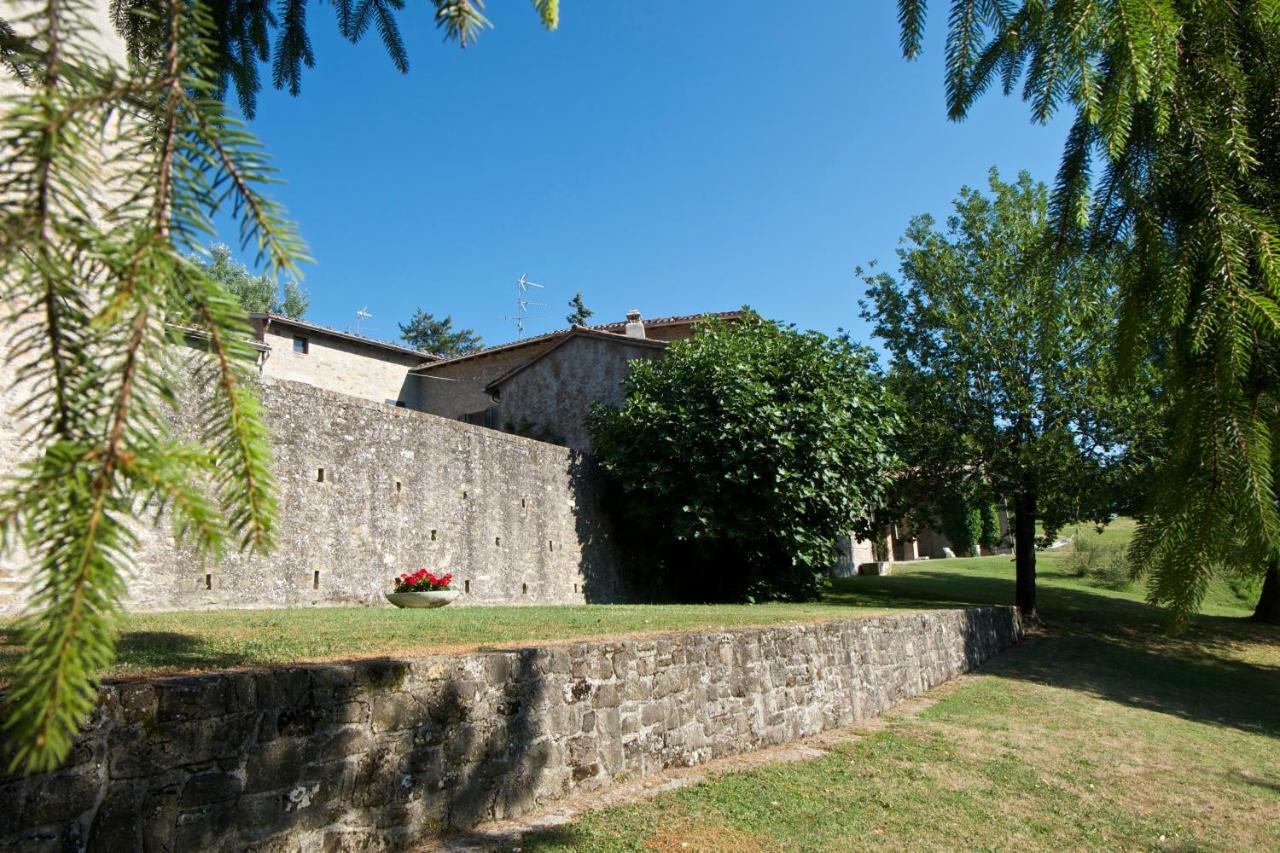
point(678, 320)
point(302, 325)
point(615, 329)
point(570, 334)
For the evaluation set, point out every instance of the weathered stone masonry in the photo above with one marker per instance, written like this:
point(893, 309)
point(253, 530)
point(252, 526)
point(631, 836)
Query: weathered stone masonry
point(367, 491)
point(384, 753)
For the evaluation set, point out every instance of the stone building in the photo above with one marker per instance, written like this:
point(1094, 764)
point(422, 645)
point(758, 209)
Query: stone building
point(544, 386)
point(336, 361)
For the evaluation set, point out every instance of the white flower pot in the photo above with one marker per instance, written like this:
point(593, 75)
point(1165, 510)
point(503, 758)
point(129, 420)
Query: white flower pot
point(434, 598)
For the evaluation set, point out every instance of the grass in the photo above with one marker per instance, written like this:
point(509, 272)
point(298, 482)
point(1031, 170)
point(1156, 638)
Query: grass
point(1101, 732)
point(195, 640)
point(185, 641)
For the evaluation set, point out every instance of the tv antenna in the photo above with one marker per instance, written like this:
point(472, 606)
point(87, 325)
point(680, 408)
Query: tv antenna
point(362, 315)
point(523, 302)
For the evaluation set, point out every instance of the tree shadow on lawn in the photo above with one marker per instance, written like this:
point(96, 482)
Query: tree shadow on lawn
point(1111, 648)
point(144, 650)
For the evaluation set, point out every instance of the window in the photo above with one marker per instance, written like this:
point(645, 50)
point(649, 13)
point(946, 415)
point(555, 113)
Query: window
point(300, 345)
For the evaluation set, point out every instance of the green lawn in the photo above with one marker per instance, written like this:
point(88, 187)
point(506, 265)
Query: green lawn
point(186, 641)
point(1101, 732)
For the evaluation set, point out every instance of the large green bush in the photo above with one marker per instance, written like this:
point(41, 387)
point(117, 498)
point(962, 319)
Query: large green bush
point(739, 457)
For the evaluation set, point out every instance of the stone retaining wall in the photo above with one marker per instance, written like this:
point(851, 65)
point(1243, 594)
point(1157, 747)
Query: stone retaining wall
point(380, 754)
point(367, 491)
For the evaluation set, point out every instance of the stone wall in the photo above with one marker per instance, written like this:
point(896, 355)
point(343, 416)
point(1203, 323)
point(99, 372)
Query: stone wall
point(383, 754)
point(367, 491)
point(554, 394)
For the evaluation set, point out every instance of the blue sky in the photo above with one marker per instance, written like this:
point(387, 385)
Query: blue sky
point(673, 157)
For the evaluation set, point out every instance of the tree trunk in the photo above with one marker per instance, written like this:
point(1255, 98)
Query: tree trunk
point(1268, 609)
point(1024, 550)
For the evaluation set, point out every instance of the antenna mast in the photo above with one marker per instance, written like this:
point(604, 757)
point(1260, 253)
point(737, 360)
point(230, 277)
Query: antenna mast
point(523, 302)
point(362, 315)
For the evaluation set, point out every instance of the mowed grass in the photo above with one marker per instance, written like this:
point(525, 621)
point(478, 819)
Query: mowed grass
point(200, 640)
point(1101, 732)
point(186, 641)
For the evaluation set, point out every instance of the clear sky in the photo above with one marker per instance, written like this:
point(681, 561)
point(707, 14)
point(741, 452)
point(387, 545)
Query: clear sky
point(672, 157)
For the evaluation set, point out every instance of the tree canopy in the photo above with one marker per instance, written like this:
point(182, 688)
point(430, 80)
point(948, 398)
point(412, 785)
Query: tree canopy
point(741, 455)
point(1176, 101)
point(1001, 353)
point(254, 293)
point(579, 313)
point(424, 332)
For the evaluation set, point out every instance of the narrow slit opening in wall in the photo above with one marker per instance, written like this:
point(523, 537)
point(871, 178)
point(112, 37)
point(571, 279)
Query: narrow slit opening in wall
point(315, 580)
point(397, 487)
point(524, 589)
point(466, 587)
point(208, 581)
point(497, 540)
point(522, 503)
point(433, 536)
point(319, 475)
point(551, 546)
point(575, 588)
point(464, 496)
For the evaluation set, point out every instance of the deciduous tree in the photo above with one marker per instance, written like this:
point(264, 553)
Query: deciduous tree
point(255, 293)
point(1000, 352)
point(1173, 164)
point(741, 455)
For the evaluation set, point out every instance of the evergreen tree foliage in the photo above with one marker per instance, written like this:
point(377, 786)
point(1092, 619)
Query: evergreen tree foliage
point(111, 178)
point(247, 38)
point(580, 313)
point(254, 293)
point(424, 332)
point(740, 456)
point(1002, 352)
point(1172, 164)
point(113, 175)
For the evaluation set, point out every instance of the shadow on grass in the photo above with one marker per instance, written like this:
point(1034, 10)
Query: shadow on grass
point(144, 650)
point(1108, 647)
point(169, 650)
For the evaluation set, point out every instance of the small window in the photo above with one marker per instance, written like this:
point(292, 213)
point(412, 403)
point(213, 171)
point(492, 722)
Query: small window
point(315, 581)
point(208, 581)
point(524, 589)
point(433, 536)
point(397, 487)
point(301, 345)
point(466, 586)
point(319, 475)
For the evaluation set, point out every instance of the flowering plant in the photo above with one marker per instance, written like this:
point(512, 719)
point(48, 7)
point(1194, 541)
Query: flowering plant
point(422, 580)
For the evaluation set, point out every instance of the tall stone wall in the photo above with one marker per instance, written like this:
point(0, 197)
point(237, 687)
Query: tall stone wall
point(367, 491)
point(383, 754)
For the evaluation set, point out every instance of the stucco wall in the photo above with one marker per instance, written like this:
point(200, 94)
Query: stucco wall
point(385, 754)
point(516, 520)
point(554, 394)
point(339, 365)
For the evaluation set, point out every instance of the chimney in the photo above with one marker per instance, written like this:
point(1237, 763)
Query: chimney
point(635, 326)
